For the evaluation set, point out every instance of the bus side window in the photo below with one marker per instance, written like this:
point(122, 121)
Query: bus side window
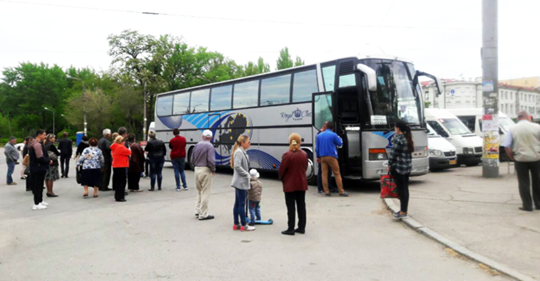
point(220, 98)
point(181, 103)
point(246, 94)
point(164, 106)
point(276, 90)
point(329, 76)
point(199, 100)
point(304, 84)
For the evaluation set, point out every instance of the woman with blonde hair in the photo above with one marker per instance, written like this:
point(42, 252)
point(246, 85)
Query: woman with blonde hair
point(292, 173)
point(241, 182)
point(52, 174)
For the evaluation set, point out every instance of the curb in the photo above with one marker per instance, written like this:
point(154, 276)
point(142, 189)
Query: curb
point(415, 225)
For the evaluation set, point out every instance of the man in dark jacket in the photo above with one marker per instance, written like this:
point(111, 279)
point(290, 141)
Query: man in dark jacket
point(105, 146)
point(65, 146)
point(39, 164)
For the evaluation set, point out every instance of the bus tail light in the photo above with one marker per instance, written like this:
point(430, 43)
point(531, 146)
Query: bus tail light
point(377, 154)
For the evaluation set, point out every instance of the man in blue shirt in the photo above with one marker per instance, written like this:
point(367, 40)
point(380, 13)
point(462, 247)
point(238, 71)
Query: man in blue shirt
point(326, 147)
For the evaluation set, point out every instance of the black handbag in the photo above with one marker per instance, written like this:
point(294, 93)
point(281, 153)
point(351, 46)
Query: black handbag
point(78, 175)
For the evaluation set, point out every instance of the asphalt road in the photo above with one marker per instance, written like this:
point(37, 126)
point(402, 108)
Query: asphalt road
point(155, 236)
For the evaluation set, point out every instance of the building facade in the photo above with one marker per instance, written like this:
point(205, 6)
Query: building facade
point(468, 94)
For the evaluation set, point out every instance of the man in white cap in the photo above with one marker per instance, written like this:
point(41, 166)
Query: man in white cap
point(204, 160)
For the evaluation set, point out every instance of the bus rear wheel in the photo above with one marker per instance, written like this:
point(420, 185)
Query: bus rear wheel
point(310, 171)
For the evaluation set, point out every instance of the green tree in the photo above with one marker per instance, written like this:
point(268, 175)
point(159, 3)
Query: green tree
point(285, 60)
point(25, 91)
point(252, 69)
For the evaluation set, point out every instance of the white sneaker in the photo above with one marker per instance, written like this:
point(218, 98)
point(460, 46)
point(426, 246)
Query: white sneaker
point(44, 203)
point(39, 207)
point(247, 228)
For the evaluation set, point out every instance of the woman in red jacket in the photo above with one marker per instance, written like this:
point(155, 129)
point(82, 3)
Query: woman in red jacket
point(292, 172)
point(120, 164)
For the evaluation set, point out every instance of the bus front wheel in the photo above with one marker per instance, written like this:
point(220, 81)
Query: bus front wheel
point(190, 164)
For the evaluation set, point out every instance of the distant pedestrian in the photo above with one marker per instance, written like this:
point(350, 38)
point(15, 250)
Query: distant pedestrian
point(82, 145)
point(400, 164)
point(26, 162)
point(522, 144)
point(326, 147)
point(136, 164)
point(105, 146)
point(53, 173)
point(120, 164)
point(241, 182)
point(12, 159)
point(254, 197)
point(122, 131)
point(178, 158)
point(66, 151)
point(156, 153)
point(292, 173)
point(204, 159)
point(23, 166)
point(92, 162)
point(39, 165)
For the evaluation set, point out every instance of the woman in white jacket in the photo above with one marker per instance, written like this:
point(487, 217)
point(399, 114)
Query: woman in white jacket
point(240, 182)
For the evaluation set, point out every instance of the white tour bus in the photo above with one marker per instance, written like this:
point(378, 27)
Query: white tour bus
point(362, 96)
point(472, 118)
point(447, 125)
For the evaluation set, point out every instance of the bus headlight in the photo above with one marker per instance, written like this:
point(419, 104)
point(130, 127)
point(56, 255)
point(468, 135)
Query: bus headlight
point(434, 152)
point(377, 154)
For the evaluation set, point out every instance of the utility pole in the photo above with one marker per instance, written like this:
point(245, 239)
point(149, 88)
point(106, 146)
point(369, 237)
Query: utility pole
point(144, 127)
point(490, 89)
point(84, 106)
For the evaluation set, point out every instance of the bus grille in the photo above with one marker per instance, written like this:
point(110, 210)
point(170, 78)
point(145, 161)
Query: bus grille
point(478, 149)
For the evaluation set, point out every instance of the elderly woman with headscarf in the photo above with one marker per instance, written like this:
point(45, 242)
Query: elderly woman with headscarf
point(292, 172)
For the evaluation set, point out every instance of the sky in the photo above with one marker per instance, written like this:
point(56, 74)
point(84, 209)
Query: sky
point(442, 37)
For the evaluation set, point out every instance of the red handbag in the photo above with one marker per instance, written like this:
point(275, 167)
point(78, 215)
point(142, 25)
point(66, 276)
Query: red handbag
point(388, 187)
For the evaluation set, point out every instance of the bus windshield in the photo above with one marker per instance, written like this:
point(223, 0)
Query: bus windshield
point(396, 98)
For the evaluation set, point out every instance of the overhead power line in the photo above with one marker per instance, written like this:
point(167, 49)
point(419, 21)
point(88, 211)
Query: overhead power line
point(237, 19)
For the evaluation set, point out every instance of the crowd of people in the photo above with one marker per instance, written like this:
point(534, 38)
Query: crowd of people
point(120, 155)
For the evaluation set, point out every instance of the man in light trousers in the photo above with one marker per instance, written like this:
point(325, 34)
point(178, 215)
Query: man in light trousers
point(522, 144)
point(204, 159)
point(12, 159)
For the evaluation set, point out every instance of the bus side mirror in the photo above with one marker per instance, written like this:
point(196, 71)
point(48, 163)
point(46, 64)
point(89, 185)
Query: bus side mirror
point(371, 76)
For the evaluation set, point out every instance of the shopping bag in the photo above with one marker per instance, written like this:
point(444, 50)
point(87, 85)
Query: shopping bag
point(78, 172)
point(388, 187)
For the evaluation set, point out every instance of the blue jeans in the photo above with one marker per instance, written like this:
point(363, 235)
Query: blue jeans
point(10, 170)
point(331, 184)
point(156, 166)
point(179, 165)
point(254, 211)
point(239, 210)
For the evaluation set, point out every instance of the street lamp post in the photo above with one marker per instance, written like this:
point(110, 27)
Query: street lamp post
point(52, 118)
point(84, 99)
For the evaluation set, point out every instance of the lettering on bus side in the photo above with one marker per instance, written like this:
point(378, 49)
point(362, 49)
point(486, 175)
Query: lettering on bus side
point(296, 115)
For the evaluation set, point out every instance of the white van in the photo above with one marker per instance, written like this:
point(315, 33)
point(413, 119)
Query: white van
point(472, 118)
point(448, 126)
point(442, 154)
